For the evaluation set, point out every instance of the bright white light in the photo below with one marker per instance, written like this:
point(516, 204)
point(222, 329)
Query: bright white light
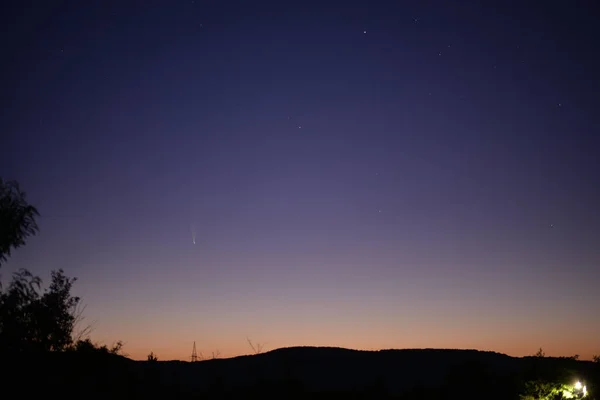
point(578, 385)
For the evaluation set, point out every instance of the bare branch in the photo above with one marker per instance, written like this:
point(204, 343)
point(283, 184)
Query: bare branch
point(256, 348)
point(79, 332)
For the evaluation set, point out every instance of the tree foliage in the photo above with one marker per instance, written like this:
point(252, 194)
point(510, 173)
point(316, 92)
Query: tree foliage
point(541, 390)
point(17, 218)
point(32, 320)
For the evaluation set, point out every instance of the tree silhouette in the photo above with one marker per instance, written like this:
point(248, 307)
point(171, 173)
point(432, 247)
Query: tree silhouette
point(17, 218)
point(540, 353)
point(31, 320)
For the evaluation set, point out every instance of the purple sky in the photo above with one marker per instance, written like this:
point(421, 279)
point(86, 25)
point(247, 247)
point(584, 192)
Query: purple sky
point(383, 174)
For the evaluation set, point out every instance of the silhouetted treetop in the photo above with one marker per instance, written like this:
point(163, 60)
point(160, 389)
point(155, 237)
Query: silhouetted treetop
point(17, 218)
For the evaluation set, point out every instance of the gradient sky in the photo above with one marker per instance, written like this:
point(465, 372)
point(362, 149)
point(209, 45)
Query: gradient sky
point(374, 175)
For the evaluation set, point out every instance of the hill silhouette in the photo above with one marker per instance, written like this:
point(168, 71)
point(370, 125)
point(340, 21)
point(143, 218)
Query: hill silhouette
point(329, 368)
point(295, 371)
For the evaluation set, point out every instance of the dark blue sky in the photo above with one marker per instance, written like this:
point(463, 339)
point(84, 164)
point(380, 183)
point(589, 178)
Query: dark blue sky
point(362, 174)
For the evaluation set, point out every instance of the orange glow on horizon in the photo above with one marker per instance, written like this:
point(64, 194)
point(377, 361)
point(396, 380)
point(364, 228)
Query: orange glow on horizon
point(182, 351)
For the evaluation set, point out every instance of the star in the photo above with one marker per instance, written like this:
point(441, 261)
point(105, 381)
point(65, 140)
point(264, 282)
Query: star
point(364, 32)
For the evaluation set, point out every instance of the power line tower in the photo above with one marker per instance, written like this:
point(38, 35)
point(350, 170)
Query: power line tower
point(194, 353)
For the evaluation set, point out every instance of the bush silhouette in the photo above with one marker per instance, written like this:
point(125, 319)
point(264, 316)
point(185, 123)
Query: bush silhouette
point(86, 346)
point(34, 321)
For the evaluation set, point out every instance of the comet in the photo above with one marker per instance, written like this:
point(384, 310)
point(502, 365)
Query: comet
point(193, 233)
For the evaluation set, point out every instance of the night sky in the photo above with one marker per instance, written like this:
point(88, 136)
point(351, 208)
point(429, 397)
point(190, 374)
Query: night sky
point(357, 174)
